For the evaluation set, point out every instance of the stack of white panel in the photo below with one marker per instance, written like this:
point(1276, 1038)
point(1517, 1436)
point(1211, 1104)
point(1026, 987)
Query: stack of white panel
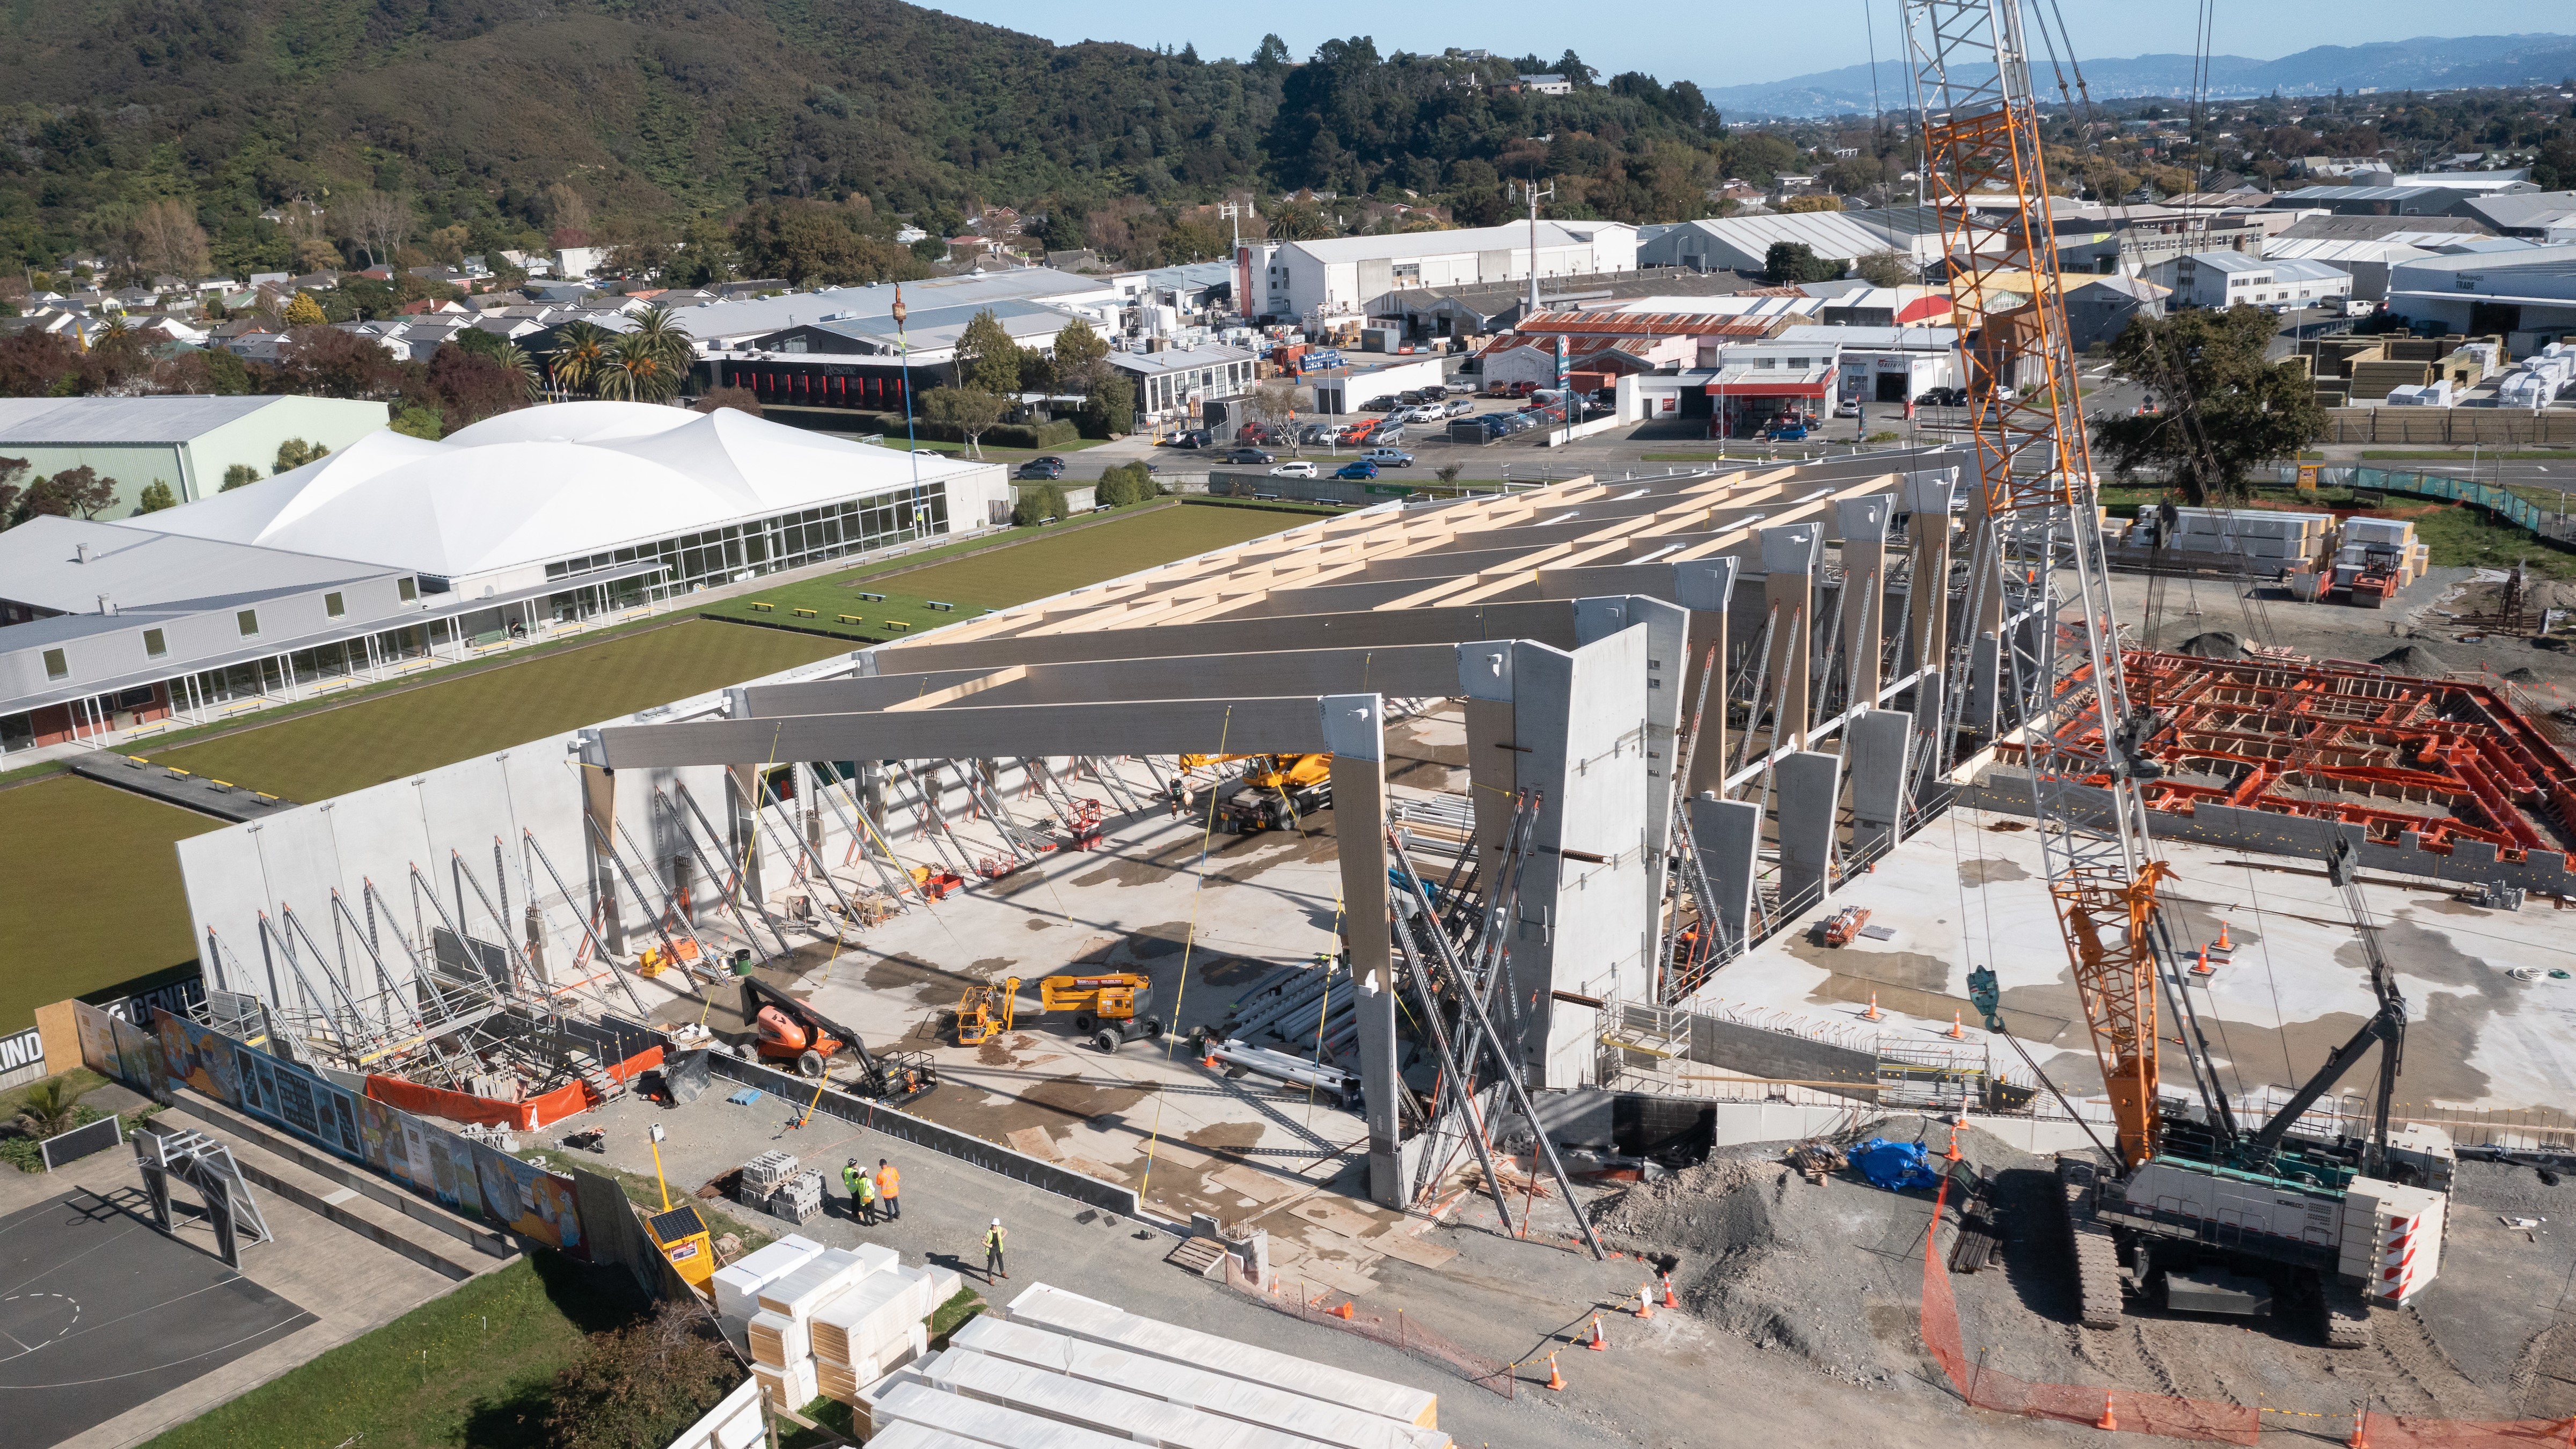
point(876, 1325)
point(1070, 1400)
point(980, 1422)
point(781, 1333)
point(738, 1284)
point(1075, 1316)
point(914, 1436)
point(1307, 1419)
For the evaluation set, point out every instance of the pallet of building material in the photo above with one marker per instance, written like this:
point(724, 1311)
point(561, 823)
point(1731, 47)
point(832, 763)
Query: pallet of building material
point(914, 1402)
point(1230, 1398)
point(1121, 1410)
point(762, 1175)
point(738, 1284)
point(778, 1340)
point(869, 1319)
point(791, 1387)
point(797, 1199)
point(809, 1287)
point(1075, 1316)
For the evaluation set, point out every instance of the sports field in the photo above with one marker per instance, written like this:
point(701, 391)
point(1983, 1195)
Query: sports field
point(1055, 562)
point(393, 736)
point(91, 891)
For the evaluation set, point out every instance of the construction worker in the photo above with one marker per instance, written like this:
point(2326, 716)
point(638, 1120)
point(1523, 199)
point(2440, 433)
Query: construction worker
point(993, 1239)
point(863, 1192)
point(889, 1183)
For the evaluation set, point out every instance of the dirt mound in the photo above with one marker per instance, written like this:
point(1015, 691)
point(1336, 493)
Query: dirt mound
point(2412, 659)
point(2216, 644)
point(1830, 1272)
point(2524, 675)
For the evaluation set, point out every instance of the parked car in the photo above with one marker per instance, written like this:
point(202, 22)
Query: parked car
point(1459, 408)
point(1390, 432)
point(1197, 438)
point(1253, 434)
point(1248, 455)
point(1388, 457)
point(1786, 432)
point(1458, 387)
point(1941, 397)
point(1848, 408)
point(1360, 469)
point(1378, 405)
point(1042, 468)
point(1297, 468)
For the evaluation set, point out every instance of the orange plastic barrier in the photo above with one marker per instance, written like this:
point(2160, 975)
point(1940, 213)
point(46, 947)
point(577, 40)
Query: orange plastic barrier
point(2389, 1431)
point(2095, 1408)
point(526, 1115)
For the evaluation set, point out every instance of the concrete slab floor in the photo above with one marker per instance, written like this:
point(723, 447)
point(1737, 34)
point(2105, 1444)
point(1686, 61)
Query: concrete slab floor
point(1968, 892)
point(1665, 1384)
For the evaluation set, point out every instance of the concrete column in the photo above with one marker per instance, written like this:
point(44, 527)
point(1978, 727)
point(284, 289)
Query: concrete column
point(1927, 498)
point(535, 923)
point(1985, 685)
point(1810, 795)
point(1864, 530)
point(1985, 562)
point(1728, 835)
point(1876, 745)
point(1493, 756)
point(684, 883)
point(742, 832)
point(1666, 628)
point(599, 831)
point(1705, 587)
point(1353, 727)
point(1789, 555)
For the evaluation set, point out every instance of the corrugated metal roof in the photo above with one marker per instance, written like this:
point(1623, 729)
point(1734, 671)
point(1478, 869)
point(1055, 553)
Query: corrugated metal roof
point(141, 421)
point(145, 570)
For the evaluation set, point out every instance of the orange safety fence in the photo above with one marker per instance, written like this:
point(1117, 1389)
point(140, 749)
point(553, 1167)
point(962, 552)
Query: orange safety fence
point(2114, 1409)
point(2390, 1431)
point(524, 1115)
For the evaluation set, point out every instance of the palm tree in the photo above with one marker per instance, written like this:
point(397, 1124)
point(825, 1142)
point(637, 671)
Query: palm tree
point(657, 330)
point(638, 370)
point(50, 1108)
point(515, 362)
point(584, 354)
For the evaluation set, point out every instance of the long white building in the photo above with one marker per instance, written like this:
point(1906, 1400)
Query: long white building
point(1343, 277)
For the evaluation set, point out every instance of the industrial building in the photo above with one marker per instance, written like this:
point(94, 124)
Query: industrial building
point(2230, 279)
point(396, 551)
point(2528, 295)
point(1175, 384)
point(188, 443)
point(1742, 243)
point(1349, 278)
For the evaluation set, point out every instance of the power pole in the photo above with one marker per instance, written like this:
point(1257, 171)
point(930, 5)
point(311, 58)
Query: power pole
point(1535, 196)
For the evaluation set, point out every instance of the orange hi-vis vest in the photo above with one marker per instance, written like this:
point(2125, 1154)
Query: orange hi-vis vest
point(888, 1180)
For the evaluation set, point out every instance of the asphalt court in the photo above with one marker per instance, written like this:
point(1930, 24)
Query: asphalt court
point(100, 1312)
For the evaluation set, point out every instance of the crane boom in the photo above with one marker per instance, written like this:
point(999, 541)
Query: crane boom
point(2057, 660)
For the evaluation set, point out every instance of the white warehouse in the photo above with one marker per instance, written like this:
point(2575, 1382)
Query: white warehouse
point(2226, 279)
point(1345, 276)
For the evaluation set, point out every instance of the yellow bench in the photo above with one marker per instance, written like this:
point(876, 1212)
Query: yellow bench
point(898, 626)
point(803, 613)
point(852, 619)
point(765, 608)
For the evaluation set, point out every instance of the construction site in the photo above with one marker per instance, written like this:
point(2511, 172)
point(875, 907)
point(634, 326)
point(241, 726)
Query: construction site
point(1565, 949)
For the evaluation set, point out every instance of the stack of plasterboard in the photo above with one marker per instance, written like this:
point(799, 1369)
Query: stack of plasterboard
point(978, 1422)
point(1075, 1316)
point(782, 1331)
point(738, 1284)
point(1177, 1383)
point(875, 1325)
point(1113, 1410)
point(2272, 538)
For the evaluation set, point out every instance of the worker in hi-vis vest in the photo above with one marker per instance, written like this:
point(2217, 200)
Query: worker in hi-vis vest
point(889, 1184)
point(863, 1192)
point(993, 1237)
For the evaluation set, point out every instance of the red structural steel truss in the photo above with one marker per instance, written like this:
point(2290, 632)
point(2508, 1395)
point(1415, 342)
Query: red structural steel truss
point(2445, 760)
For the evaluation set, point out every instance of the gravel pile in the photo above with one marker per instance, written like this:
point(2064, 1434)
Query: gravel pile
point(2216, 644)
point(2412, 659)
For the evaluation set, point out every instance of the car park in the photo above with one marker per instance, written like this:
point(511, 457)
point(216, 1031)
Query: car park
point(1298, 468)
point(1388, 457)
point(1359, 469)
point(1248, 455)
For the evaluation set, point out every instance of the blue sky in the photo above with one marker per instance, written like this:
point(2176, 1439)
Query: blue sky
point(1731, 42)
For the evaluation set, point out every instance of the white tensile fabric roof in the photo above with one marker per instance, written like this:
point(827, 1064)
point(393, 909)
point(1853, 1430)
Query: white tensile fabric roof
point(544, 483)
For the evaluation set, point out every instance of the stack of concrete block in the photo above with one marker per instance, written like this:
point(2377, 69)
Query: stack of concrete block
point(798, 1198)
point(2371, 381)
point(1075, 1316)
point(782, 1332)
point(765, 1174)
point(1196, 1388)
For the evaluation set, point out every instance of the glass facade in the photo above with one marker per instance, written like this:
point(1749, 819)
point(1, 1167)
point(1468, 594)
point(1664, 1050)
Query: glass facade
point(787, 541)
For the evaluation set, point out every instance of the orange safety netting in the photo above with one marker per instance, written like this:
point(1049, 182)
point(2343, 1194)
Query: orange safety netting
point(2121, 1409)
point(524, 1115)
point(2390, 1431)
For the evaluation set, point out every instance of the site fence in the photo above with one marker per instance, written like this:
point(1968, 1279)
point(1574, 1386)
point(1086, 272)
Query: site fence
point(1340, 1312)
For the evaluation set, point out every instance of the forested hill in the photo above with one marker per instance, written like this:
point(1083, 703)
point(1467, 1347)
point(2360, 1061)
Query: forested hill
point(481, 113)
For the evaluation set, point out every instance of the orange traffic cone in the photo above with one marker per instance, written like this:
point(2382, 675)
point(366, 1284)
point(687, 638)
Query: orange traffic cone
point(1645, 1300)
point(1597, 1343)
point(1954, 1142)
point(2360, 1431)
point(1669, 1300)
point(1958, 1031)
point(1872, 1013)
point(2202, 967)
point(1211, 1063)
point(2109, 1421)
point(1344, 1312)
point(1555, 1380)
point(2223, 943)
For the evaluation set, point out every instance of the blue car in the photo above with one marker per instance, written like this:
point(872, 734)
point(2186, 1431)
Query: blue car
point(1363, 469)
point(1787, 433)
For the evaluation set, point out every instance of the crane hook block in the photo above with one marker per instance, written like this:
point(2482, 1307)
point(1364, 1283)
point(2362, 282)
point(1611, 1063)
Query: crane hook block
point(1984, 995)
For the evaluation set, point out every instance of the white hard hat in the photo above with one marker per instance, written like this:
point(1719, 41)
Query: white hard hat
point(997, 1222)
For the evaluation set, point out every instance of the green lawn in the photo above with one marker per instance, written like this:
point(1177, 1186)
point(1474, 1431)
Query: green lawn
point(94, 891)
point(472, 1368)
point(391, 737)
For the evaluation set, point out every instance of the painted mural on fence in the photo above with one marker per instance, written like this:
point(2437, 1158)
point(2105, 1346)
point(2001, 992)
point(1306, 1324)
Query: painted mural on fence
point(466, 1176)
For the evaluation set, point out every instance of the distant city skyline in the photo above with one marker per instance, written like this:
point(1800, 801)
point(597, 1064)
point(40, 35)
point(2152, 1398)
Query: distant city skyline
point(1739, 43)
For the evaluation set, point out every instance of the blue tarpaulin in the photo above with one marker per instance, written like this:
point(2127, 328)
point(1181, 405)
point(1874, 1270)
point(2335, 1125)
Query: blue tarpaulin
point(1895, 1166)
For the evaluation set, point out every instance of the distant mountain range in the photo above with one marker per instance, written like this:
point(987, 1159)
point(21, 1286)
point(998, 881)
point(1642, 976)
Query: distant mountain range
point(2424, 63)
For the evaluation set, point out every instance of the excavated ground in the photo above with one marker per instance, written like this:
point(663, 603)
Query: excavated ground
point(1830, 1275)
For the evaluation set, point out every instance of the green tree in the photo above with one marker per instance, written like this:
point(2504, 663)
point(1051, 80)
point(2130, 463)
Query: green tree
point(1886, 269)
point(11, 490)
point(1081, 358)
point(1038, 504)
point(1125, 484)
point(1063, 232)
point(240, 475)
point(156, 495)
point(420, 422)
point(1109, 409)
point(74, 490)
point(970, 410)
point(52, 1107)
point(634, 1387)
point(1790, 262)
point(987, 359)
point(640, 368)
point(304, 312)
point(293, 453)
point(2226, 410)
point(580, 355)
